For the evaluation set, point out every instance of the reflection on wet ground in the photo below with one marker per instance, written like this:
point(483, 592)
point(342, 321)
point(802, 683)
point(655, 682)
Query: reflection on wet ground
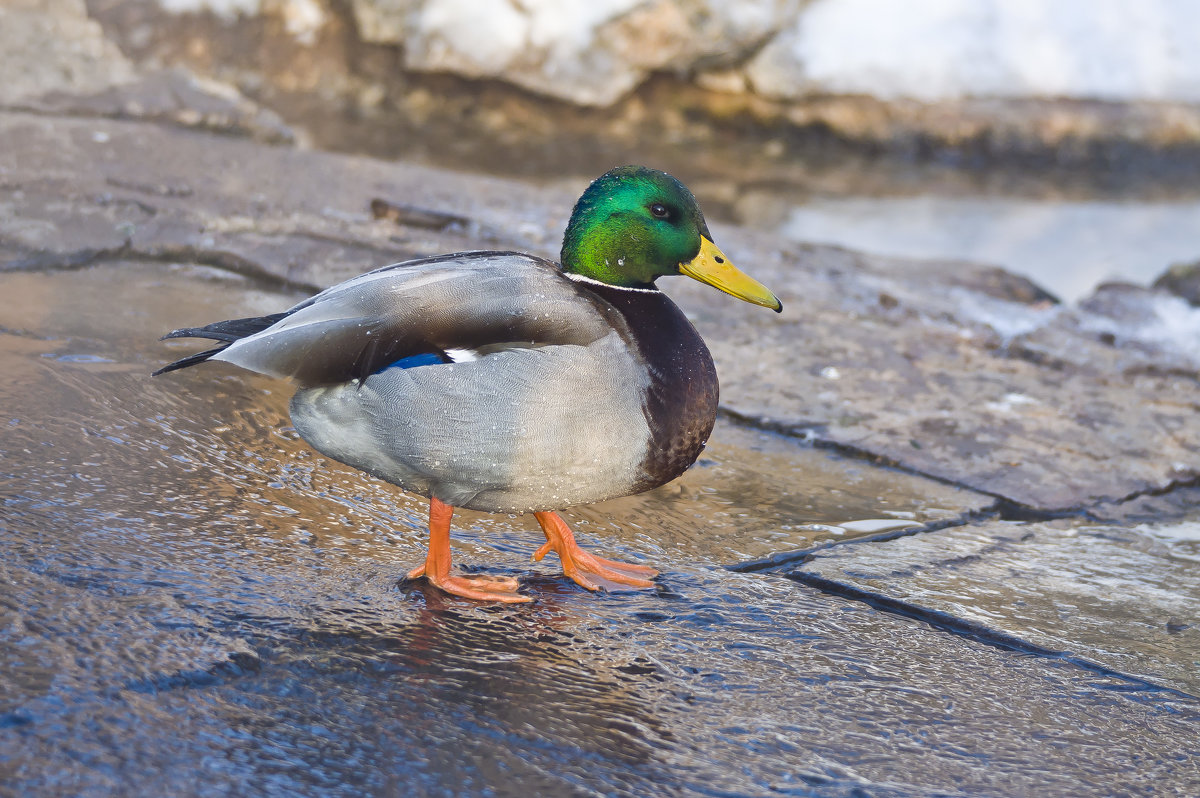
point(194, 603)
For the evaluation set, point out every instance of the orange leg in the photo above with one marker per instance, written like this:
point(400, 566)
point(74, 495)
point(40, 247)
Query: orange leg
point(437, 565)
point(588, 570)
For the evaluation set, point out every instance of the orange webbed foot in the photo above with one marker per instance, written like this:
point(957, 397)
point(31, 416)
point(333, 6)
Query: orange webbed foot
point(436, 569)
point(476, 587)
point(586, 569)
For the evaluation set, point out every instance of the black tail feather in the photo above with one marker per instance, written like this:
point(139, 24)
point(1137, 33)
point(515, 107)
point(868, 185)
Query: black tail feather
point(190, 360)
point(224, 331)
point(227, 331)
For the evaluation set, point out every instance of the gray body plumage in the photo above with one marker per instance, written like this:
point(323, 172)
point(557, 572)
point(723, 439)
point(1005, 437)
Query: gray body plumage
point(550, 412)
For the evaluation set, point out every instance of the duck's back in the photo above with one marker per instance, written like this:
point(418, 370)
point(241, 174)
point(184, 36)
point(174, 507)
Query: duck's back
point(464, 302)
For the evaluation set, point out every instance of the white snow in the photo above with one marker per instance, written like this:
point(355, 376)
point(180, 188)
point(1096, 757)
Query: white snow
point(1173, 325)
point(593, 51)
point(949, 49)
point(225, 9)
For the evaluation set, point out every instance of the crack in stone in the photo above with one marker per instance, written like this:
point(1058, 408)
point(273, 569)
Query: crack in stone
point(1003, 509)
point(809, 433)
point(776, 562)
point(1176, 484)
point(213, 258)
point(973, 630)
point(1152, 370)
point(1008, 509)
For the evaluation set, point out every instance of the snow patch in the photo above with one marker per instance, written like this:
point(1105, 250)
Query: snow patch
point(1171, 324)
point(946, 50)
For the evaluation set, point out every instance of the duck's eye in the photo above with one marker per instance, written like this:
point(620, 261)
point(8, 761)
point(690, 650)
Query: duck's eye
point(659, 211)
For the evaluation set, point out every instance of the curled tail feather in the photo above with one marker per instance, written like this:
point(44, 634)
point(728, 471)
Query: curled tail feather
point(226, 332)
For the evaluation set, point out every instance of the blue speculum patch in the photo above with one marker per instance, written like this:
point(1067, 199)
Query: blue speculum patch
point(413, 361)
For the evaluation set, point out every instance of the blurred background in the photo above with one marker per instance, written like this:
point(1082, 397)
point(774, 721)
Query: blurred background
point(1060, 140)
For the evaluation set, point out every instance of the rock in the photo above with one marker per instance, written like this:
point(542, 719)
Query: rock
point(1164, 326)
point(183, 578)
point(1166, 508)
point(1182, 280)
point(148, 191)
point(619, 75)
point(383, 21)
point(52, 46)
point(1118, 610)
point(179, 98)
point(56, 60)
point(1029, 402)
point(590, 53)
point(185, 583)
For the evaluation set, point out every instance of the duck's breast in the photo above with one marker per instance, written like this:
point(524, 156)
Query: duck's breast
point(680, 402)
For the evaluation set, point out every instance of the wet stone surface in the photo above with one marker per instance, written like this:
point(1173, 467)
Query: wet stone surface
point(981, 383)
point(941, 543)
point(1118, 598)
point(197, 604)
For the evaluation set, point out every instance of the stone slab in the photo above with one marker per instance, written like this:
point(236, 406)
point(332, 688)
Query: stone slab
point(1124, 598)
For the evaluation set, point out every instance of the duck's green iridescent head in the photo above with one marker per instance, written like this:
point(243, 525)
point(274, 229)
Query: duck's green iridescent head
point(634, 225)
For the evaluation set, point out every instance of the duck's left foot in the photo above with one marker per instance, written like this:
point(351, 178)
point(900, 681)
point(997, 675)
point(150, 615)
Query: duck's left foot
point(474, 586)
point(437, 566)
point(588, 570)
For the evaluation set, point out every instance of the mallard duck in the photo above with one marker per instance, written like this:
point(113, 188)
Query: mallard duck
point(504, 382)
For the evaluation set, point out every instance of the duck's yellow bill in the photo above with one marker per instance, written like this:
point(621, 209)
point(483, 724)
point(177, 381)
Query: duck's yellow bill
point(711, 266)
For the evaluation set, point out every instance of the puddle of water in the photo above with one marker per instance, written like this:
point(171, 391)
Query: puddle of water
point(193, 602)
point(1181, 540)
point(753, 494)
point(1066, 247)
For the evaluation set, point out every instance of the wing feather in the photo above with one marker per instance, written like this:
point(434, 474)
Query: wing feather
point(474, 301)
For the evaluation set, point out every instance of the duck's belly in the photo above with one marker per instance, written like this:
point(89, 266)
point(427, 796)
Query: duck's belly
point(516, 431)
